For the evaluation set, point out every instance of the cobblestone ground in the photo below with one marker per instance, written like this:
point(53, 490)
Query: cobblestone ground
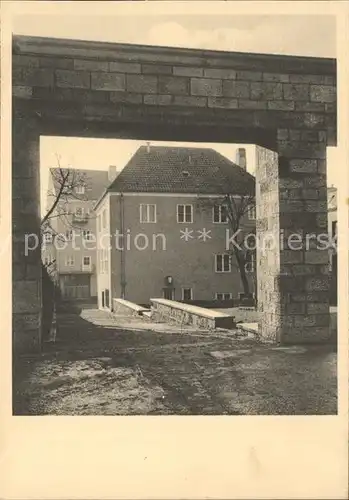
point(105, 365)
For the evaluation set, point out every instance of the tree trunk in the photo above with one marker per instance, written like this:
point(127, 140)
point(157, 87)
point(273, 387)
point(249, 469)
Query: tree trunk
point(241, 263)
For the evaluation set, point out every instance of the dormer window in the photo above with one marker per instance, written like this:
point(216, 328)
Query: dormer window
point(185, 173)
point(80, 189)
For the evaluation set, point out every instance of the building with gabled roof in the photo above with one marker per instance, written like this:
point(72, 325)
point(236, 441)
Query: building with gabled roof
point(161, 231)
point(69, 238)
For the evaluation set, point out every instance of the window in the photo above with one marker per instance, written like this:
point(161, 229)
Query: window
point(107, 297)
point(147, 213)
point(185, 214)
point(103, 260)
point(223, 263)
point(86, 261)
point(250, 264)
point(69, 260)
point(48, 259)
point(87, 235)
point(224, 296)
point(79, 212)
point(187, 294)
point(48, 237)
point(220, 214)
point(69, 235)
point(80, 189)
point(334, 228)
point(252, 212)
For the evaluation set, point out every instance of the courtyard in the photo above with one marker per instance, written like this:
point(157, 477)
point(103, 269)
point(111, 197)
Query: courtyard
point(103, 364)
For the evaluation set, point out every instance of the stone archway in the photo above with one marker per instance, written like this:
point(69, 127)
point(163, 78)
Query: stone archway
point(282, 103)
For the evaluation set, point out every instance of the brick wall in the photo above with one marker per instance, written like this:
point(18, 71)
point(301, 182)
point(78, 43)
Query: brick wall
point(287, 104)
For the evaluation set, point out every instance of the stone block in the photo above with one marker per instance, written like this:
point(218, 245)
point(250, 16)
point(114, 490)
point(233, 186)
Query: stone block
point(303, 166)
point(310, 194)
point(306, 335)
point(206, 87)
point(73, 79)
point(253, 76)
point(222, 102)
point(291, 283)
point(249, 104)
point(310, 135)
point(236, 89)
point(331, 107)
point(295, 135)
point(304, 321)
point(187, 71)
point(307, 79)
point(319, 256)
point(158, 100)
point(315, 181)
point(199, 102)
point(316, 107)
point(295, 308)
point(315, 284)
point(224, 74)
point(26, 297)
point(291, 206)
point(124, 67)
point(125, 97)
point(268, 91)
point(22, 92)
point(24, 322)
point(282, 134)
point(26, 61)
point(290, 183)
point(313, 120)
point(107, 81)
point(38, 77)
point(156, 69)
point(291, 256)
point(142, 84)
point(315, 206)
point(318, 307)
point(276, 77)
point(322, 93)
point(281, 105)
point(174, 85)
point(304, 270)
point(90, 65)
point(56, 63)
point(296, 92)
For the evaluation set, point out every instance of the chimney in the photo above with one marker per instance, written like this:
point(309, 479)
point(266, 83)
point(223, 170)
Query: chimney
point(241, 158)
point(148, 147)
point(112, 172)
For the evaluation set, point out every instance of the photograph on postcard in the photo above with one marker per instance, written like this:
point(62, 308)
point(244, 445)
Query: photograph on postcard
point(174, 215)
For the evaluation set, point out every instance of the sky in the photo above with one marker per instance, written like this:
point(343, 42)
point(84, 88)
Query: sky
point(276, 34)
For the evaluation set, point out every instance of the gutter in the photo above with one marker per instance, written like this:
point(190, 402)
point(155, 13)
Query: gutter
point(122, 255)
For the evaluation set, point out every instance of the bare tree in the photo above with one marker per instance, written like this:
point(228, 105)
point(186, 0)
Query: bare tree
point(65, 188)
point(236, 208)
point(233, 208)
point(65, 184)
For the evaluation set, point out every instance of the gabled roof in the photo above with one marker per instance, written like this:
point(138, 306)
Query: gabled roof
point(95, 181)
point(165, 169)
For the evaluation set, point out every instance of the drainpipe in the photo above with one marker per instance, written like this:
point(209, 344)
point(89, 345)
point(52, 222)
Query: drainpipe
point(122, 258)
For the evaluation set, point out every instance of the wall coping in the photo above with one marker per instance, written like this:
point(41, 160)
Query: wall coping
point(130, 305)
point(275, 63)
point(199, 311)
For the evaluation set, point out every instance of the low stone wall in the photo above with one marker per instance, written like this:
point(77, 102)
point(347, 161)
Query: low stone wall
point(125, 307)
point(185, 314)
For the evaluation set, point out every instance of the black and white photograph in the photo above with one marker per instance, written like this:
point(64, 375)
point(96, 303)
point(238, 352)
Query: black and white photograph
point(174, 215)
